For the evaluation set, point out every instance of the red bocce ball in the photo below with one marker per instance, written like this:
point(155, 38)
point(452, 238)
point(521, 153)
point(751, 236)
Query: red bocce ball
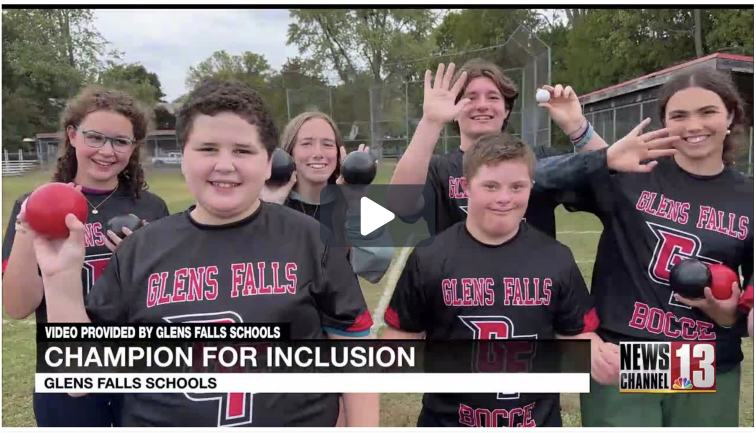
point(47, 207)
point(722, 278)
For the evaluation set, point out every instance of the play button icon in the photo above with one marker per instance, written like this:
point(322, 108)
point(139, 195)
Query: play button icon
point(373, 216)
point(370, 217)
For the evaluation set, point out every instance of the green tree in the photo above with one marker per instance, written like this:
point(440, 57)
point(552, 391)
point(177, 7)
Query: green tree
point(251, 68)
point(48, 54)
point(132, 79)
point(607, 47)
point(610, 46)
point(53, 47)
point(729, 30)
point(300, 81)
point(355, 40)
point(22, 117)
point(377, 43)
point(473, 29)
point(164, 119)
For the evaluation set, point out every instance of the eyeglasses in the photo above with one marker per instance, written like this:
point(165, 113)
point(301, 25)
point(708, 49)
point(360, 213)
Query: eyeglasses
point(97, 140)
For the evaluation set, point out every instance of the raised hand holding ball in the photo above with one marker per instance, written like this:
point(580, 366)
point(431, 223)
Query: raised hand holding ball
point(542, 95)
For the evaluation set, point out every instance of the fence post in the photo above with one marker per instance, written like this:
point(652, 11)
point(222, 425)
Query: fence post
point(406, 116)
point(288, 106)
point(370, 100)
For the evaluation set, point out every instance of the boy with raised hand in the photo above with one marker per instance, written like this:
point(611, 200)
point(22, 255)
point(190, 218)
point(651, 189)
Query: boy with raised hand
point(480, 99)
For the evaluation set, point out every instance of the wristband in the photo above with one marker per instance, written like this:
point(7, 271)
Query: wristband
point(588, 136)
point(582, 135)
point(579, 127)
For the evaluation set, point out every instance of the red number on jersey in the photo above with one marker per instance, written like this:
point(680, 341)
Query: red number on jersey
point(234, 409)
point(514, 357)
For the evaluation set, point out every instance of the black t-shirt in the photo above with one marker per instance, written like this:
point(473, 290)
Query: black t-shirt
point(460, 288)
point(330, 212)
point(651, 222)
point(444, 179)
point(271, 267)
point(148, 207)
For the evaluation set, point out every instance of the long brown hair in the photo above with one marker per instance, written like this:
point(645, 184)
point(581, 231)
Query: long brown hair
point(92, 99)
point(290, 133)
point(289, 140)
point(716, 82)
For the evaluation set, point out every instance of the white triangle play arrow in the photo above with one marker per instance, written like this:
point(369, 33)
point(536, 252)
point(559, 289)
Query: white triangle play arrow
point(373, 216)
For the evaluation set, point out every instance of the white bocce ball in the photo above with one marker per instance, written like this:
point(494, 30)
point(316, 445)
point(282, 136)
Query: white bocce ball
point(542, 96)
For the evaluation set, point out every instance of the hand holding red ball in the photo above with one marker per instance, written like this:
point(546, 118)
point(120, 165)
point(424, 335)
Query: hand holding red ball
point(55, 214)
point(721, 291)
point(47, 207)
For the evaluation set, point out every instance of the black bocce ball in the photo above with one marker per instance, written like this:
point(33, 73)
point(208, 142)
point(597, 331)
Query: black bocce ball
point(689, 277)
point(282, 168)
point(359, 168)
point(131, 221)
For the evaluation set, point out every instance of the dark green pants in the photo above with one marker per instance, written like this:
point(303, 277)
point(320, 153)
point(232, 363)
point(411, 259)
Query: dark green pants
point(605, 406)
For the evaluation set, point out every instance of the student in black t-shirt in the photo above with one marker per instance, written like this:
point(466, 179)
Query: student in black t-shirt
point(695, 205)
point(100, 152)
point(315, 144)
point(479, 99)
point(232, 256)
point(493, 276)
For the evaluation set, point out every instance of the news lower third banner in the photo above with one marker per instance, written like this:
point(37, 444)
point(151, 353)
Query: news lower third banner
point(261, 358)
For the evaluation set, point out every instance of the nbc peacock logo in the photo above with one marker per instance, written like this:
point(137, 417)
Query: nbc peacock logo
point(682, 383)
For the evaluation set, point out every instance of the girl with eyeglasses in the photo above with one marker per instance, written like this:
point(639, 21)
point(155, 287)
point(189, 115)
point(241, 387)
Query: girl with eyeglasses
point(99, 153)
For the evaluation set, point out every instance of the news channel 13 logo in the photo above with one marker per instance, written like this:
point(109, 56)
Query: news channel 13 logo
point(667, 367)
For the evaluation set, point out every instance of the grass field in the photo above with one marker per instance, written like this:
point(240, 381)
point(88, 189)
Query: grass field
point(578, 231)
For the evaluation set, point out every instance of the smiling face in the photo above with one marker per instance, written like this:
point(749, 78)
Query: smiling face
point(315, 151)
point(98, 167)
point(498, 178)
point(700, 118)
point(486, 112)
point(498, 197)
point(225, 165)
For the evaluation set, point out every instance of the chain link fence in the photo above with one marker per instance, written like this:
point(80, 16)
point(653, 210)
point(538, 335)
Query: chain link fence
point(385, 116)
